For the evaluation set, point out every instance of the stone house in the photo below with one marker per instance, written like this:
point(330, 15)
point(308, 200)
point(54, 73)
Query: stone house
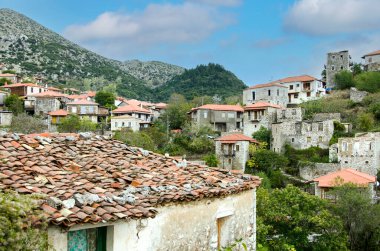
point(232, 150)
point(336, 62)
point(126, 122)
point(302, 88)
point(260, 114)
point(361, 152)
point(101, 192)
point(372, 61)
point(323, 184)
point(222, 118)
point(85, 109)
point(5, 118)
point(302, 134)
point(24, 89)
point(273, 93)
point(55, 118)
point(48, 101)
point(134, 111)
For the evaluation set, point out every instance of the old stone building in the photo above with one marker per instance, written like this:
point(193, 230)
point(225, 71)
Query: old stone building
point(361, 152)
point(273, 93)
point(48, 101)
point(232, 150)
point(13, 78)
point(336, 62)
point(260, 114)
point(127, 122)
point(101, 192)
point(222, 118)
point(372, 61)
point(302, 134)
point(135, 111)
point(84, 109)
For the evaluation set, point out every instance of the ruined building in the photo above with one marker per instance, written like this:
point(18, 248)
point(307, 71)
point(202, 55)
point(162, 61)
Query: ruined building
point(336, 62)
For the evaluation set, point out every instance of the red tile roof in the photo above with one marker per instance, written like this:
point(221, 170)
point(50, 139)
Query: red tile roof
point(347, 175)
point(302, 78)
point(22, 84)
point(374, 53)
point(131, 109)
point(54, 89)
point(90, 94)
point(76, 96)
point(215, 107)
point(4, 75)
point(82, 102)
point(233, 138)
point(48, 94)
point(261, 105)
point(93, 179)
point(161, 105)
point(60, 112)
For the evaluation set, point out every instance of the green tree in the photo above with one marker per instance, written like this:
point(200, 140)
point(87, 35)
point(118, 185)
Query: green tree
point(69, 124)
point(356, 69)
point(14, 104)
point(365, 121)
point(263, 135)
point(138, 139)
point(360, 216)
point(87, 125)
point(23, 226)
point(106, 99)
point(368, 81)
point(4, 80)
point(23, 123)
point(176, 112)
point(290, 218)
point(211, 160)
point(344, 80)
point(266, 160)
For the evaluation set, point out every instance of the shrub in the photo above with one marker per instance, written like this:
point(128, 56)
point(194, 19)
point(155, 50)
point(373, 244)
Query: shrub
point(26, 124)
point(368, 81)
point(263, 135)
point(365, 122)
point(211, 160)
point(344, 80)
point(14, 104)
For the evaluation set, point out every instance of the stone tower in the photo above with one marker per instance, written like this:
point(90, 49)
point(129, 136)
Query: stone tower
point(336, 62)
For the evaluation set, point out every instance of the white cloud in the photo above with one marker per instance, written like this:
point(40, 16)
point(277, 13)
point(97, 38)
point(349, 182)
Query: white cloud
point(324, 17)
point(230, 3)
point(116, 34)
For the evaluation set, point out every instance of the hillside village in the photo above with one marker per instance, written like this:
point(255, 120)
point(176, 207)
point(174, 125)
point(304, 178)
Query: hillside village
point(231, 132)
point(103, 155)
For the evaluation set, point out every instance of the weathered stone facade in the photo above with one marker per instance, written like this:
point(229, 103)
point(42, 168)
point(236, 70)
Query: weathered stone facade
point(302, 135)
point(5, 118)
point(44, 105)
point(357, 96)
point(289, 114)
point(232, 156)
point(336, 62)
point(272, 93)
point(315, 170)
point(372, 61)
point(255, 119)
point(361, 153)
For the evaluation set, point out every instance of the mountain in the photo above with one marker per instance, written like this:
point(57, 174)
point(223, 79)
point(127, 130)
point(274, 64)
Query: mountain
point(154, 73)
point(204, 80)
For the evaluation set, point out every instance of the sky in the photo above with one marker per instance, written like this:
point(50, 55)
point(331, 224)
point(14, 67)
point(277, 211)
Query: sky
point(258, 40)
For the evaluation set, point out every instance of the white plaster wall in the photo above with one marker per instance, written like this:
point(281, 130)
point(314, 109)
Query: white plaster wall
point(187, 226)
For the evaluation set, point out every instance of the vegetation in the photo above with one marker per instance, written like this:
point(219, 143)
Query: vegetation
point(344, 80)
point(339, 132)
point(23, 226)
point(14, 104)
point(204, 80)
point(139, 139)
point(106, 99)
point(73, 124)
point(263, 135)
point(364, 81)
point(175, 115)
point(23, 123)
point(287, 219)
point(211, 160)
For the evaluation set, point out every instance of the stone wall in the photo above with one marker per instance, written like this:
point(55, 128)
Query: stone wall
point(236, 162)
point(45, 105)
point(219, 120)
point(278, 95)
point(327, 116)
point(357, 96)
point(5, 118)
point(315, 170)
point(336, 62)
point(187, 226)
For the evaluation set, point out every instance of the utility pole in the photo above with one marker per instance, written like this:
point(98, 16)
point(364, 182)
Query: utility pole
point(167, 126)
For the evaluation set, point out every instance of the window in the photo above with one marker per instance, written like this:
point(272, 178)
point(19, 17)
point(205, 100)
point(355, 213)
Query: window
point(268, 92)
point(344, 146)
point(333, 68)
point(291, 87)
point(320, 139)
point(308, 139)
point(238, 125)
point(230, 161)
point(237, 148)
point(366, 161)
point(341, 56)
point(222, 225)
point(40, 90)
point(115, 124)
point(298, 85)
point(308, 94)
point(292, 140)
point(205, 114)
point(122, 124)
point(94, 239)
point(278, 92)
point(293, 111)
point(74, 109)
point(296, 95)
point(230, 115)
point(223, 115)
point(253, 96)
point(31, 90)
point(283, 113)
point(333, 57)
point(320, 127)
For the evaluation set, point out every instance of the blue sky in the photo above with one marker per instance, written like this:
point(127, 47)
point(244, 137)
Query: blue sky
point(258, 40)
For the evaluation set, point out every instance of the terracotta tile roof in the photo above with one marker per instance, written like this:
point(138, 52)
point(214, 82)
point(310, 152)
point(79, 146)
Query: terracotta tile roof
point(60, 112)
point(261, 105)
point(348, 175)
point(266, 85)
point(233, 138)
point(374, 53)
point(131, 108)
point(161, 105)
point(4, 75)
point(302, 78)
point(76, 96)
point(215, 107)
point(90, 179)
point(54, 89)
point(48, 94)
point(82, 102)
point(22, 84)
point(90, 94)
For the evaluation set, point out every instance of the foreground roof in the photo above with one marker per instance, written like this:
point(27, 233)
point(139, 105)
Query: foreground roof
point(235, 137)
point(261, 105)
point(215, 107)
point(93, 179)
point(347, 175)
